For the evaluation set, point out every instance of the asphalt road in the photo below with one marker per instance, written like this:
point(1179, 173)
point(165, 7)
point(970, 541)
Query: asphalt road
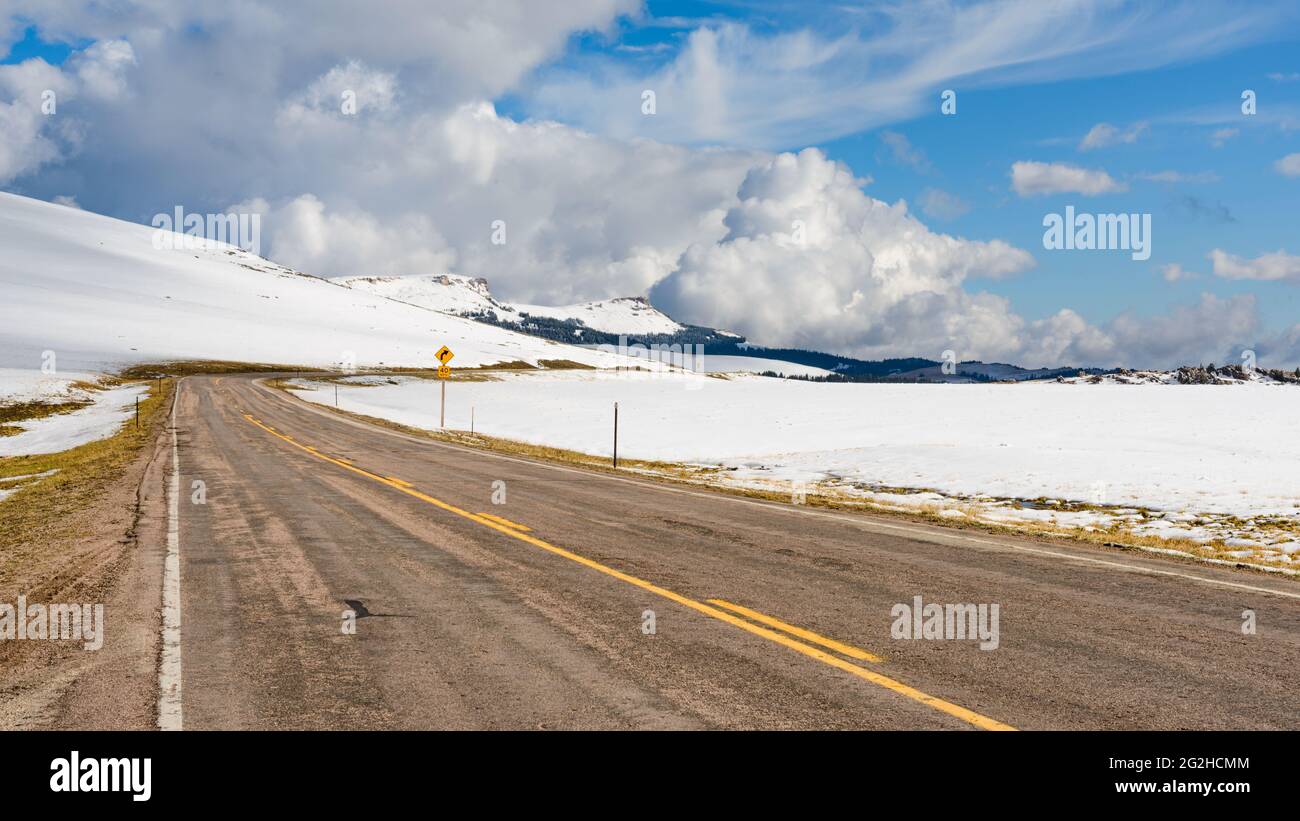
point(764, 615)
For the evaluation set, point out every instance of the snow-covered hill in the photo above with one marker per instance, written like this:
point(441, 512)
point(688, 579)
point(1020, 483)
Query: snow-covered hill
point(631, 315)
point(96, 293)
point(981, 372)
point(470, 296)
point(448, 293)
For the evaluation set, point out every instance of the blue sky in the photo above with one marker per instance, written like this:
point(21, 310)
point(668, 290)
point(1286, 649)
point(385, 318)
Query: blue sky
point(1233, 199)
point(32, 46)
point(152, 117)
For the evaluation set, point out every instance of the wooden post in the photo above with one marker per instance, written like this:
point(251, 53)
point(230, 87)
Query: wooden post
point(471, 420)
point(137, 413)
point(336, 395)
point(615, 435)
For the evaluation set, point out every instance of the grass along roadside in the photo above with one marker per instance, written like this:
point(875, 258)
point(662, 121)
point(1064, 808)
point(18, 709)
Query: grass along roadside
point(826, 496)
point(46, 513)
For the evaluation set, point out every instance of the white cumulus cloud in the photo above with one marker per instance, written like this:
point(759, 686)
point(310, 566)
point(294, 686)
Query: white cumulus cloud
point(37, 126)
point(1034, 178)
point(1289, 165)
point(810, 260)
point(1278, 265)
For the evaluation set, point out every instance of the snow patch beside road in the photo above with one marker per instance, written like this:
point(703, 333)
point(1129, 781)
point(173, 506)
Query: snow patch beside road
point(108, 410)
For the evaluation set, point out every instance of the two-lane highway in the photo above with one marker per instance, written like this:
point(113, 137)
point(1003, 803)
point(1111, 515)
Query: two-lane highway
point(587, 600)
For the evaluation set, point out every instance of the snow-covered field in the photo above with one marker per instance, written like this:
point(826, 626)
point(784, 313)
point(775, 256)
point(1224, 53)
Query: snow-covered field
point(1195, 456)
point(108, 409)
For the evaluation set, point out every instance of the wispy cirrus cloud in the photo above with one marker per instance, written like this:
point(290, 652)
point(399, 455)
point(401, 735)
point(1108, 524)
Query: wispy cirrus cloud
point(1179, 176)
point(1173, 272)
point(1103, 135)
point(904, 153)
point(1220, 137)
point(853, 70)
point(1198, 209)
point(942, 205)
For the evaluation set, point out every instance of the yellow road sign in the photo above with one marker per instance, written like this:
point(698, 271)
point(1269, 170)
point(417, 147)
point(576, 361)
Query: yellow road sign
point(444, 355)
point(444, 372)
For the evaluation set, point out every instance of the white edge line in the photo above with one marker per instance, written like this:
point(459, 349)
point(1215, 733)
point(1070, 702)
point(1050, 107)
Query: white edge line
point(867, 524)
point(169, 667)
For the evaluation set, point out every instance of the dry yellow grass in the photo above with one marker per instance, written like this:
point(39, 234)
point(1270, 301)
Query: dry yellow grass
point(42, 514)
point(24, 411)
point(195, 368)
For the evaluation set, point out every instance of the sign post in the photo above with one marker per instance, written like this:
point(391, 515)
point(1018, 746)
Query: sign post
point(444, 355)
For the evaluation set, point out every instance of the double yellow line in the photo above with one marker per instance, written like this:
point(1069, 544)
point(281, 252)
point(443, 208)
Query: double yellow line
point(716, 608)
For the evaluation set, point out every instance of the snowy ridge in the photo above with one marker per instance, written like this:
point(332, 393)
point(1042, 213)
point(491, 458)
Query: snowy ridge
point(470, 296)
point(1226, 375)
point(447, 293)
point(631, 315)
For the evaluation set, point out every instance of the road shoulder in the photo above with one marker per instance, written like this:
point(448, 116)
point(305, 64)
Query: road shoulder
point(104, 545)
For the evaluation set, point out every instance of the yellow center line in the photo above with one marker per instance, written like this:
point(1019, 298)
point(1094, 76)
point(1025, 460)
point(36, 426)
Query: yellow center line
point(939, 704)
point(807, 635)
point(503, 520)
point(400, 482)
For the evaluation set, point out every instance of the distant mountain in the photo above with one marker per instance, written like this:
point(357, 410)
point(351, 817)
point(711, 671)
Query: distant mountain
point(974, 371)
point(912, 369)
point(462, 296)
point(635, 321)
point(844, 367)
point(589, 323)
point(631, 315)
